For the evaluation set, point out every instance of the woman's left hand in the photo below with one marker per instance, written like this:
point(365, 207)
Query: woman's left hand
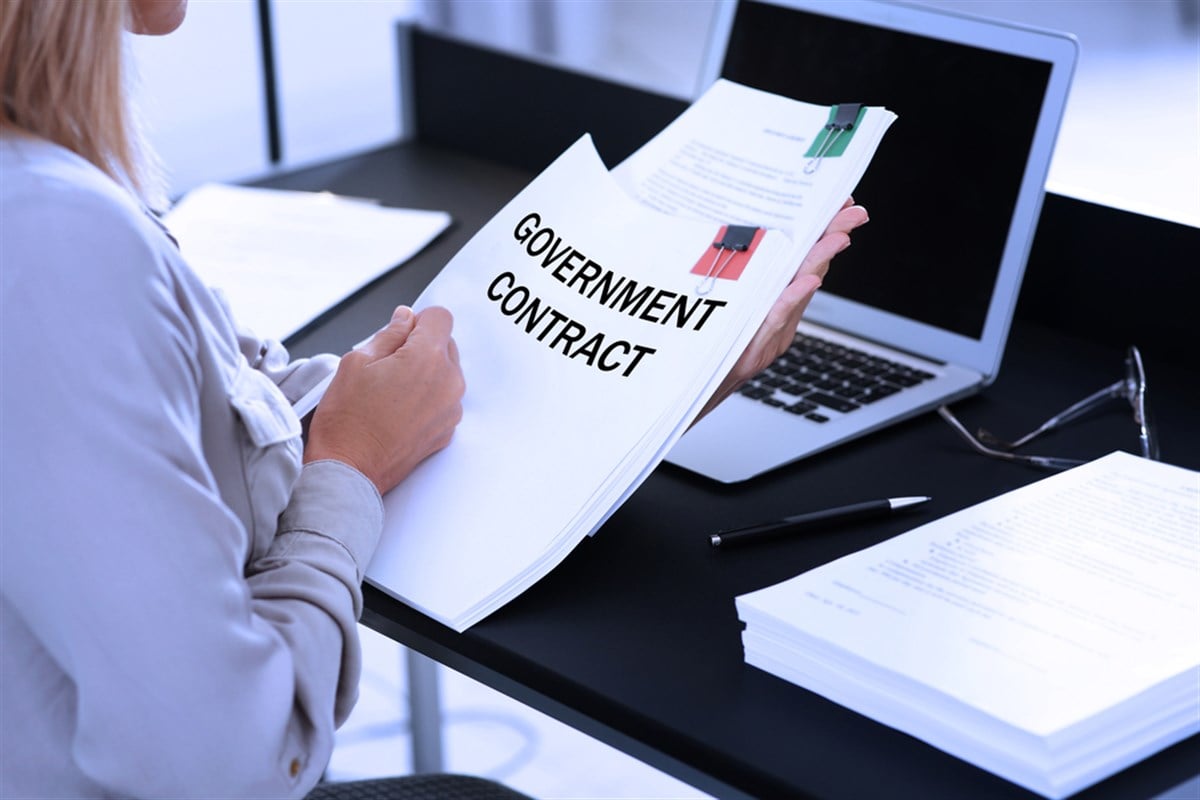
point(775, 334)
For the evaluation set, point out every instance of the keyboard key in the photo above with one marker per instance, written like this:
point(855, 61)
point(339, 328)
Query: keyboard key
point(755, 392)
point(831, 401)
point(876, 393)
point(801, 407)
point(904, 379)
point(815, 373)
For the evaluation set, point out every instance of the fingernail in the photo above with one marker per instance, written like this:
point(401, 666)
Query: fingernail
point(402, 314)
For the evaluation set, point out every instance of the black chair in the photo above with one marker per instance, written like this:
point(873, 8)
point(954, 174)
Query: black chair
point(416, 787)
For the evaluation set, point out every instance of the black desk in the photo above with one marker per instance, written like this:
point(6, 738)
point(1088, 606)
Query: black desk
point(634, 638)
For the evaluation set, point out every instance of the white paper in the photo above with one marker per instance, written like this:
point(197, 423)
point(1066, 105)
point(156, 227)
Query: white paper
point(282, 258)
point(1046, 624)
point(738, 155)
point(590, 339)
point(551, 437)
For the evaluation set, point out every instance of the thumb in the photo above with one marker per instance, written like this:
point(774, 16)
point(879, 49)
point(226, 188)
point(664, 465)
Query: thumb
point(392, 336)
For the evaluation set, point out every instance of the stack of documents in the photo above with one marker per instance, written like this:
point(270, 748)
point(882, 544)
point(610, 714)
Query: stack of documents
point(282, 258)
point(595, 315)
point(1050, 635)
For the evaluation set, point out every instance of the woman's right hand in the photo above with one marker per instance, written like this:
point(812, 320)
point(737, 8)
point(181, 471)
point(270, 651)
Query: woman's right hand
point(394, 401)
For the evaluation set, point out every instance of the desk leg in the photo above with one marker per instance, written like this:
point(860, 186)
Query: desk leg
point(424, 712)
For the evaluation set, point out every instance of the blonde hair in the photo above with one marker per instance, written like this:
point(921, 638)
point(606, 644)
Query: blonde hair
point(63, 77)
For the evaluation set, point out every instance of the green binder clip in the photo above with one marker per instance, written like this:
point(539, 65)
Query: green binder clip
point(835, 136)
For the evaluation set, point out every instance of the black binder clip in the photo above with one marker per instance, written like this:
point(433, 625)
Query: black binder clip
point(737, 239)
point(844, 118)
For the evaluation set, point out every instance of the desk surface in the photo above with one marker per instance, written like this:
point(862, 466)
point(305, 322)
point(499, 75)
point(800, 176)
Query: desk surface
point(634, 638)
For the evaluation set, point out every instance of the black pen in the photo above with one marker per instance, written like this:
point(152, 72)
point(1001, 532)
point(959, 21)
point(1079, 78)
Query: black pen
point(779, 527)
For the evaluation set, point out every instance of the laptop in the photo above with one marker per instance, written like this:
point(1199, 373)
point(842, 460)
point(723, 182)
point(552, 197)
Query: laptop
point(916, 313)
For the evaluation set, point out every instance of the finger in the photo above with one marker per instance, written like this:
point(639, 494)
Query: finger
point(835, 239)
point(777, 329)
point(798, 295)
point(392, 336)
point(792, 303)
point(801, 289)
point(436, 320)
point(434, 325)
point(849, 218)
point(818, 258)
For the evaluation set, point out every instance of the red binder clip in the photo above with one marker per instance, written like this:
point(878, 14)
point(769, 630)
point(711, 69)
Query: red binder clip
point(737, 239)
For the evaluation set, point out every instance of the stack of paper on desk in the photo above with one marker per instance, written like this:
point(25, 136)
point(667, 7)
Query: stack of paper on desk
point(283, 258)
point(593, 328)
point(1050, 635)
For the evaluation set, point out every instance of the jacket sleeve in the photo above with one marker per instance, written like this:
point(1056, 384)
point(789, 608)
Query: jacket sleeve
point(293, 376)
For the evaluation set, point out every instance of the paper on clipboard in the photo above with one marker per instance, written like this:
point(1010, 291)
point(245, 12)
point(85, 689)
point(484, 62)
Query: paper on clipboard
point(282, 258)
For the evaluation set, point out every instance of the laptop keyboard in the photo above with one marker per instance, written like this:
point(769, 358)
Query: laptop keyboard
point(816, 376)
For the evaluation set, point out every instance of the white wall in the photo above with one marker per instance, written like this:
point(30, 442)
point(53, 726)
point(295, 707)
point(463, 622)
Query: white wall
point(202, 93)
point(1129, 139)
point(338, 79)
point(653, 44)
point(1131, 134)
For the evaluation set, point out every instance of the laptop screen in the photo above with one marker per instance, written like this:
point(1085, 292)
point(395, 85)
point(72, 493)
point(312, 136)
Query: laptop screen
point(955, 187)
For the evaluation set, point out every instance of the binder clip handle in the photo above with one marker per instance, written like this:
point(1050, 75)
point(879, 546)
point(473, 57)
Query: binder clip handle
point(845, 117)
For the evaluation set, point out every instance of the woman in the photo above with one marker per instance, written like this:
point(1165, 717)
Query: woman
point(181, 571)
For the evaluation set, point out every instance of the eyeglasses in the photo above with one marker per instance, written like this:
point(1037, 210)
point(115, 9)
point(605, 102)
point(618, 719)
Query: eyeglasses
point(1131, 388)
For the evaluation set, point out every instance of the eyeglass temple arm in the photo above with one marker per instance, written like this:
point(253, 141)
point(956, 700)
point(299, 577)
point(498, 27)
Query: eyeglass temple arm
point(1135, 391)
point(1146, 437)
point(1047, 462)
point(1078, 409)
